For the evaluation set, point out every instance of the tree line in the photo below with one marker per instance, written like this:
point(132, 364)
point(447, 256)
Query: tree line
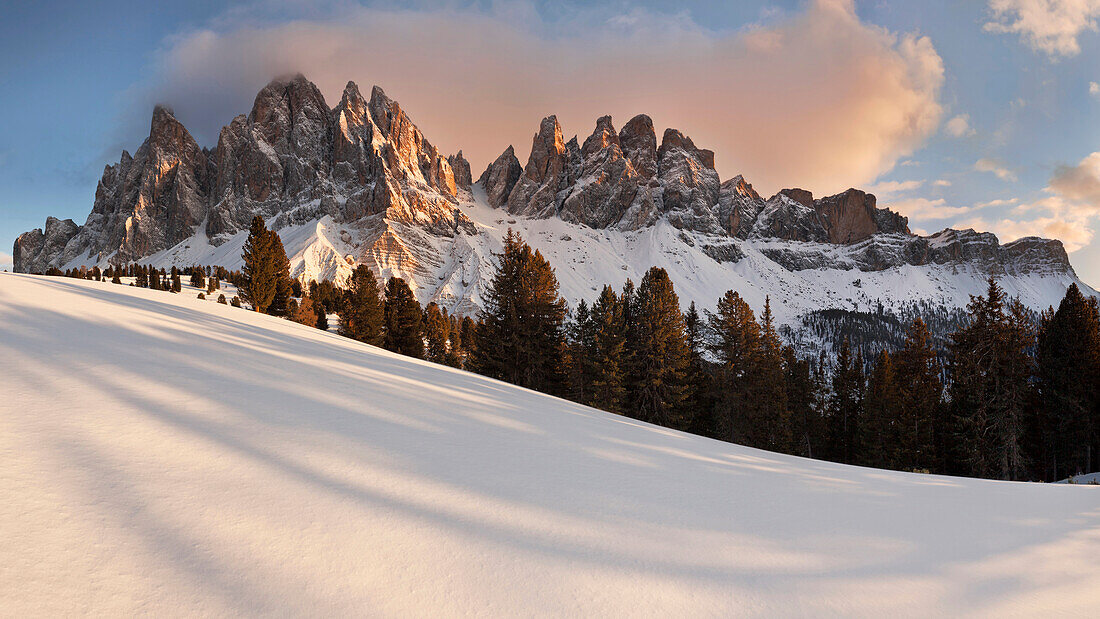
point(1009, 395)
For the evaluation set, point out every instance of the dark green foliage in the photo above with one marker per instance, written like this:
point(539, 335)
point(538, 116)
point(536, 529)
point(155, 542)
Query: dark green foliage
point(437, 334)
point(198, 278)
point(1065, 435)
point(322, 318)
point(658, 352)
point(919, 411)
point(402, 331)
point(260, 274)
point(521, 336)
point(605, 353)
point(361, 313)
point(846, 406)
point(991, 388)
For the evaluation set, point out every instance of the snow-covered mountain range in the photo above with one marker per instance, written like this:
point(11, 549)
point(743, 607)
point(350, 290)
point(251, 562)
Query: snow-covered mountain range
point(359, 183)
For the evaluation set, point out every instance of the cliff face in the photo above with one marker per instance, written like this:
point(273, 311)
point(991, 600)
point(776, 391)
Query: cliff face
point(360, 183)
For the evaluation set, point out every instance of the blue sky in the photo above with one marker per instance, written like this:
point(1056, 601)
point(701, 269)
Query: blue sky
point(975, 114)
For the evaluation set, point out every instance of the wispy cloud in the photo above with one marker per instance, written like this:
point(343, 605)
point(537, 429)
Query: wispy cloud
point(997, 202)
point(885, 189)
point(959, 127)
point(923, 209)
point(1094, 89)
point(6, 261)
point(943, 182)
point(996, 168)
point(1048, 26)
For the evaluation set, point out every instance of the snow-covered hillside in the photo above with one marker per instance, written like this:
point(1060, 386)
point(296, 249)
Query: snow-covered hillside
point(163, 455)
point(453, 271)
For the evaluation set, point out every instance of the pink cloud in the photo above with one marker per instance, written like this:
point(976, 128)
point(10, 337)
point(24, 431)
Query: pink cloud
point(817, 99)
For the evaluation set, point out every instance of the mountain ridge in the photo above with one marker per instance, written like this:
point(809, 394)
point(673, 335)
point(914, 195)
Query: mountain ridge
point(360, 183)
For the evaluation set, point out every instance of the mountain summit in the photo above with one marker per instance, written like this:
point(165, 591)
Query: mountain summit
point(360, 183)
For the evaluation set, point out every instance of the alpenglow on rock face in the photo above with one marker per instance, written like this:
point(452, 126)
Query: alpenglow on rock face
point(359, 183)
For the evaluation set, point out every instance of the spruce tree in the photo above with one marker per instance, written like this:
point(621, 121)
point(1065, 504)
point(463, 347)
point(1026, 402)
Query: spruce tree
point(437, 333)
point(361, 313)
point(402, 331)
point(1068, 359)
point(521, 336)
point(284, 286)
point(304, 312)
point(877, 441)
point(846, 406)
point(605, 353)
point(991, 386)
point(697, 382)
point(659, 354)
point(920, 409)
point(259, 276)
point(733, 339)
point(578, 353)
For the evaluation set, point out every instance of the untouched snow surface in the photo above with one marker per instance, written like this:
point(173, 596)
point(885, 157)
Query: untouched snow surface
point(163, 455)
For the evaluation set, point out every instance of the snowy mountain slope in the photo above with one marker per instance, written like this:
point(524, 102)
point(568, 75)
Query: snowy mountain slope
point(359, 183)
point(453, 271)
point(168, 456)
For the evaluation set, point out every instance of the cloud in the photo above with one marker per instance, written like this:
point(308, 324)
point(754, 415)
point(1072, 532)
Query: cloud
point(1094, 89)
point(6, 261)
point(887, 188)
point(1077, 187)
point(995, 167)
point(923, 208)
point(959, 126)
point(1049, 26)
point(1067, 213)
point(997, 202)
point(943, 182)
point(815, 98)
point(1074, 234)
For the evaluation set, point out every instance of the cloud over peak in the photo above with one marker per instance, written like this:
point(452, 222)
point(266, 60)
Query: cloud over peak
point(816, 98)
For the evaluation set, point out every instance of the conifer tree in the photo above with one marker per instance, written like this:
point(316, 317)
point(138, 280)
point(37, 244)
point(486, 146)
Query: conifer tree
point(521, 336)
point(698, 390)
point(846, 405)
point(769, 389)
point(733, 339)
point(283, 284)
point(402, 331)
point(304, 312)
point(991, 389)
point(605, 352)
point(920, 402)
point(259, 275)
point(578, 352)
point(115, 279)
point(198, 278)
point(1068, 358)
point(177, 285)
point(436, 333)
point(658, 353)
point(877, 441)
point(361, 313)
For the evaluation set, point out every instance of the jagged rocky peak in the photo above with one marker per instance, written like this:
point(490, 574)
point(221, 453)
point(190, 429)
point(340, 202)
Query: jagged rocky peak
point(638, 141)
point(607, 183)
point(852, 216)
point(34, 250)
point(535, 193)
point(689, 183)
point(500, 177)
point(738, 206)
point(461, 168)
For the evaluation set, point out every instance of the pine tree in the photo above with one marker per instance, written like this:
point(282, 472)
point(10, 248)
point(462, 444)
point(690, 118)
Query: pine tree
point(284, 286)
point(259, 276)
point(361, 313)
point(659, 354)
point(920, 394)
point(577, 356)
point(198, 278)
point(733, 339)
point(304, 312)
point(697, 387)
point(1068, 359)
point(991, 386)
point(521, 336)
point(402, 331)
point(877, 440)
point(436, 332)
point(769, 390)
point(115, 279)
point(605, 351)
point(846, 405)
point(177, 285)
